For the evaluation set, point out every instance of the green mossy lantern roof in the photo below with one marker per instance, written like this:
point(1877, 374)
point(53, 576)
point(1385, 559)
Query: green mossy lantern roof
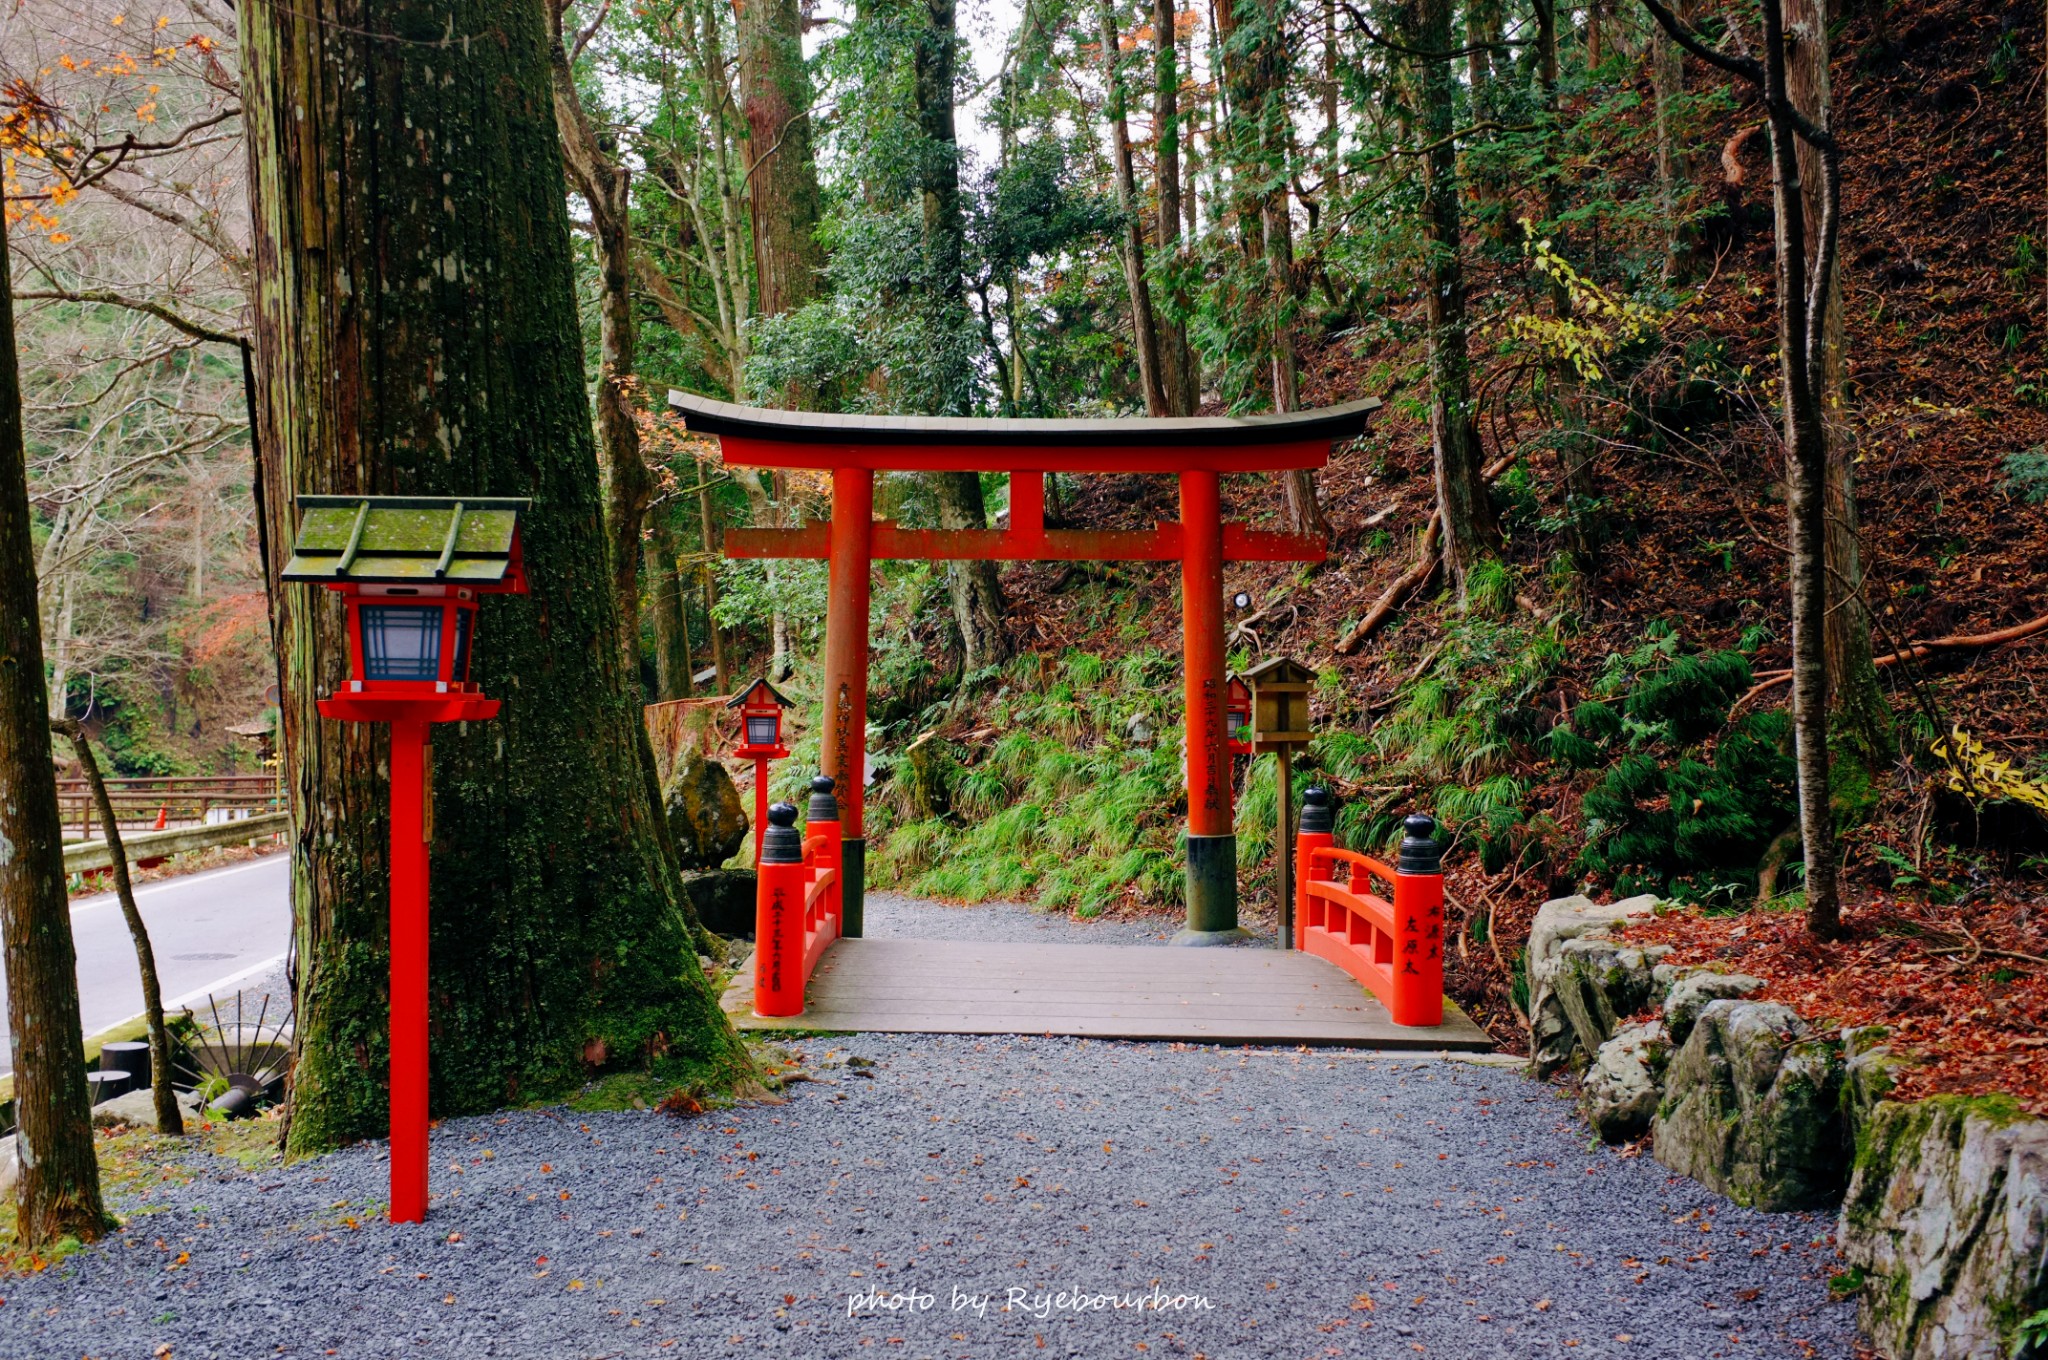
point(462, 540)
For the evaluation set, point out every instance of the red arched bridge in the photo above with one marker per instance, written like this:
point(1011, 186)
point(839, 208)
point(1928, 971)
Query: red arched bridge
point(1364, 968)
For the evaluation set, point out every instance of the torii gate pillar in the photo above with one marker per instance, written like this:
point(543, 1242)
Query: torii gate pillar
point(1212, 839)
point(843, 746)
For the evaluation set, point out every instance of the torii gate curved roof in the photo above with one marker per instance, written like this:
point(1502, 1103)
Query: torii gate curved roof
point(755, 436)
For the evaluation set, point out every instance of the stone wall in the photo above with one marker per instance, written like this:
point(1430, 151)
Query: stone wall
point(1944, 1202)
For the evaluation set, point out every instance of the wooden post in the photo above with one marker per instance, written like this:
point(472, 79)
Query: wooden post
point(408, 972)
point(1283, 847)
point(1212, 844)
point(1318, 820)
point(843, 744)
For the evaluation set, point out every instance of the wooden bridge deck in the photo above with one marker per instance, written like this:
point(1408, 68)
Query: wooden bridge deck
point(1216, 996)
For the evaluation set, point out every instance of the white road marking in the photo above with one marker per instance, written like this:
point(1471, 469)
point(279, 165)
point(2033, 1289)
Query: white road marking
point(181, 881)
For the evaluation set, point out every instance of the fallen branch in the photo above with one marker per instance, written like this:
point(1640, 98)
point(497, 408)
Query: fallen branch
point(1417, 575)
point(1995, 953)
point(1954, 642)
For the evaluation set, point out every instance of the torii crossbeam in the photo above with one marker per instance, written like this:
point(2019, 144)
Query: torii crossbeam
point(1197, 450)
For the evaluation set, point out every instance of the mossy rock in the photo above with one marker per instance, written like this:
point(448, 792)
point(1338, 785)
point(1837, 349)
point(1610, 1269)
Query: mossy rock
point(1693, 989)
point(1553, 1039)
point(1752, 1109)
point(705, 815)
point(1600, 982)
point(1947, 1221)
point(1626, 1082)
point(723, 899)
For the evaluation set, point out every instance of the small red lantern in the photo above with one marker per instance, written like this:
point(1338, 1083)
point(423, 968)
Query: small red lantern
point(760, 705)
point(409, 569)
point(1237, 716)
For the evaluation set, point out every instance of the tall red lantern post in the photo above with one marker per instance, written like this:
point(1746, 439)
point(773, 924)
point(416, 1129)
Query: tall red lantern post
point(410, 570)
point(760, 705)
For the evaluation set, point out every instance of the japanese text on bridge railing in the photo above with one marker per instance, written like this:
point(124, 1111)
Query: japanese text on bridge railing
point(797, 906)
point(1396, 948)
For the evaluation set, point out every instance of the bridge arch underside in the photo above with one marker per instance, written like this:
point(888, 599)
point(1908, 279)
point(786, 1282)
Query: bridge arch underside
point(1197, 451)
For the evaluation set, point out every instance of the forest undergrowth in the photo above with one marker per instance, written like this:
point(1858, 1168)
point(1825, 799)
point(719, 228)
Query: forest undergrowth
point(1605, 713)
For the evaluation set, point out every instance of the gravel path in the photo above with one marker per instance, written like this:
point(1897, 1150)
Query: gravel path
point(1272, 1204)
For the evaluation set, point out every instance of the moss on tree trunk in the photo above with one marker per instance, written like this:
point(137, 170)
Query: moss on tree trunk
point(416, 333)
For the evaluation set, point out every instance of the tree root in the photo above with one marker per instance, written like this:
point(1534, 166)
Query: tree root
point(1776, 855)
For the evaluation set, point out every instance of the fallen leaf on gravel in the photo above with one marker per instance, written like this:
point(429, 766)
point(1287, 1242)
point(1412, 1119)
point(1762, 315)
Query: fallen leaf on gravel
point(1543, 1305)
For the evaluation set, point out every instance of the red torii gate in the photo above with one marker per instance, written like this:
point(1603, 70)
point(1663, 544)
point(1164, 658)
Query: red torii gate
point(1198, 450)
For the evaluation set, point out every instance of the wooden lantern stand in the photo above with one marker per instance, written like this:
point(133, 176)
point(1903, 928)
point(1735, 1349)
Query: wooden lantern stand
point(1279, 691)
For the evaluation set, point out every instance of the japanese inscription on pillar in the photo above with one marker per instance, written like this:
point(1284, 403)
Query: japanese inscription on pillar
point(1202, 772)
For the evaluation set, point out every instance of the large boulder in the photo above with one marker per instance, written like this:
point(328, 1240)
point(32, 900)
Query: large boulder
point(1690, 991)
point(1947, 1222)
point(1752, 1108)
point(723, 899)
point(1600, 982)
point(1552, 1039)
point(1626, 1082)
point(705, 816)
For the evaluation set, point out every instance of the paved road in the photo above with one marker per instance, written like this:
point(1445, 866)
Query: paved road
point(208, 931)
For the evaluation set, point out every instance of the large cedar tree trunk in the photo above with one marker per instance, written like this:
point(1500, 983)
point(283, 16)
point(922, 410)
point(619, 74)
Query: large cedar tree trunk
point(775, 96)
point(1179, 371)
point(58, 1192)
point(416, 332)
point(1470, 531)
point(977, 594)
point(1144, 324)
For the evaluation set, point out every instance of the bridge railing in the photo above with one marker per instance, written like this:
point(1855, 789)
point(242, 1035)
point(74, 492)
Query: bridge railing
point(166, 802)
point(1393, 944)
point(797, 902)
